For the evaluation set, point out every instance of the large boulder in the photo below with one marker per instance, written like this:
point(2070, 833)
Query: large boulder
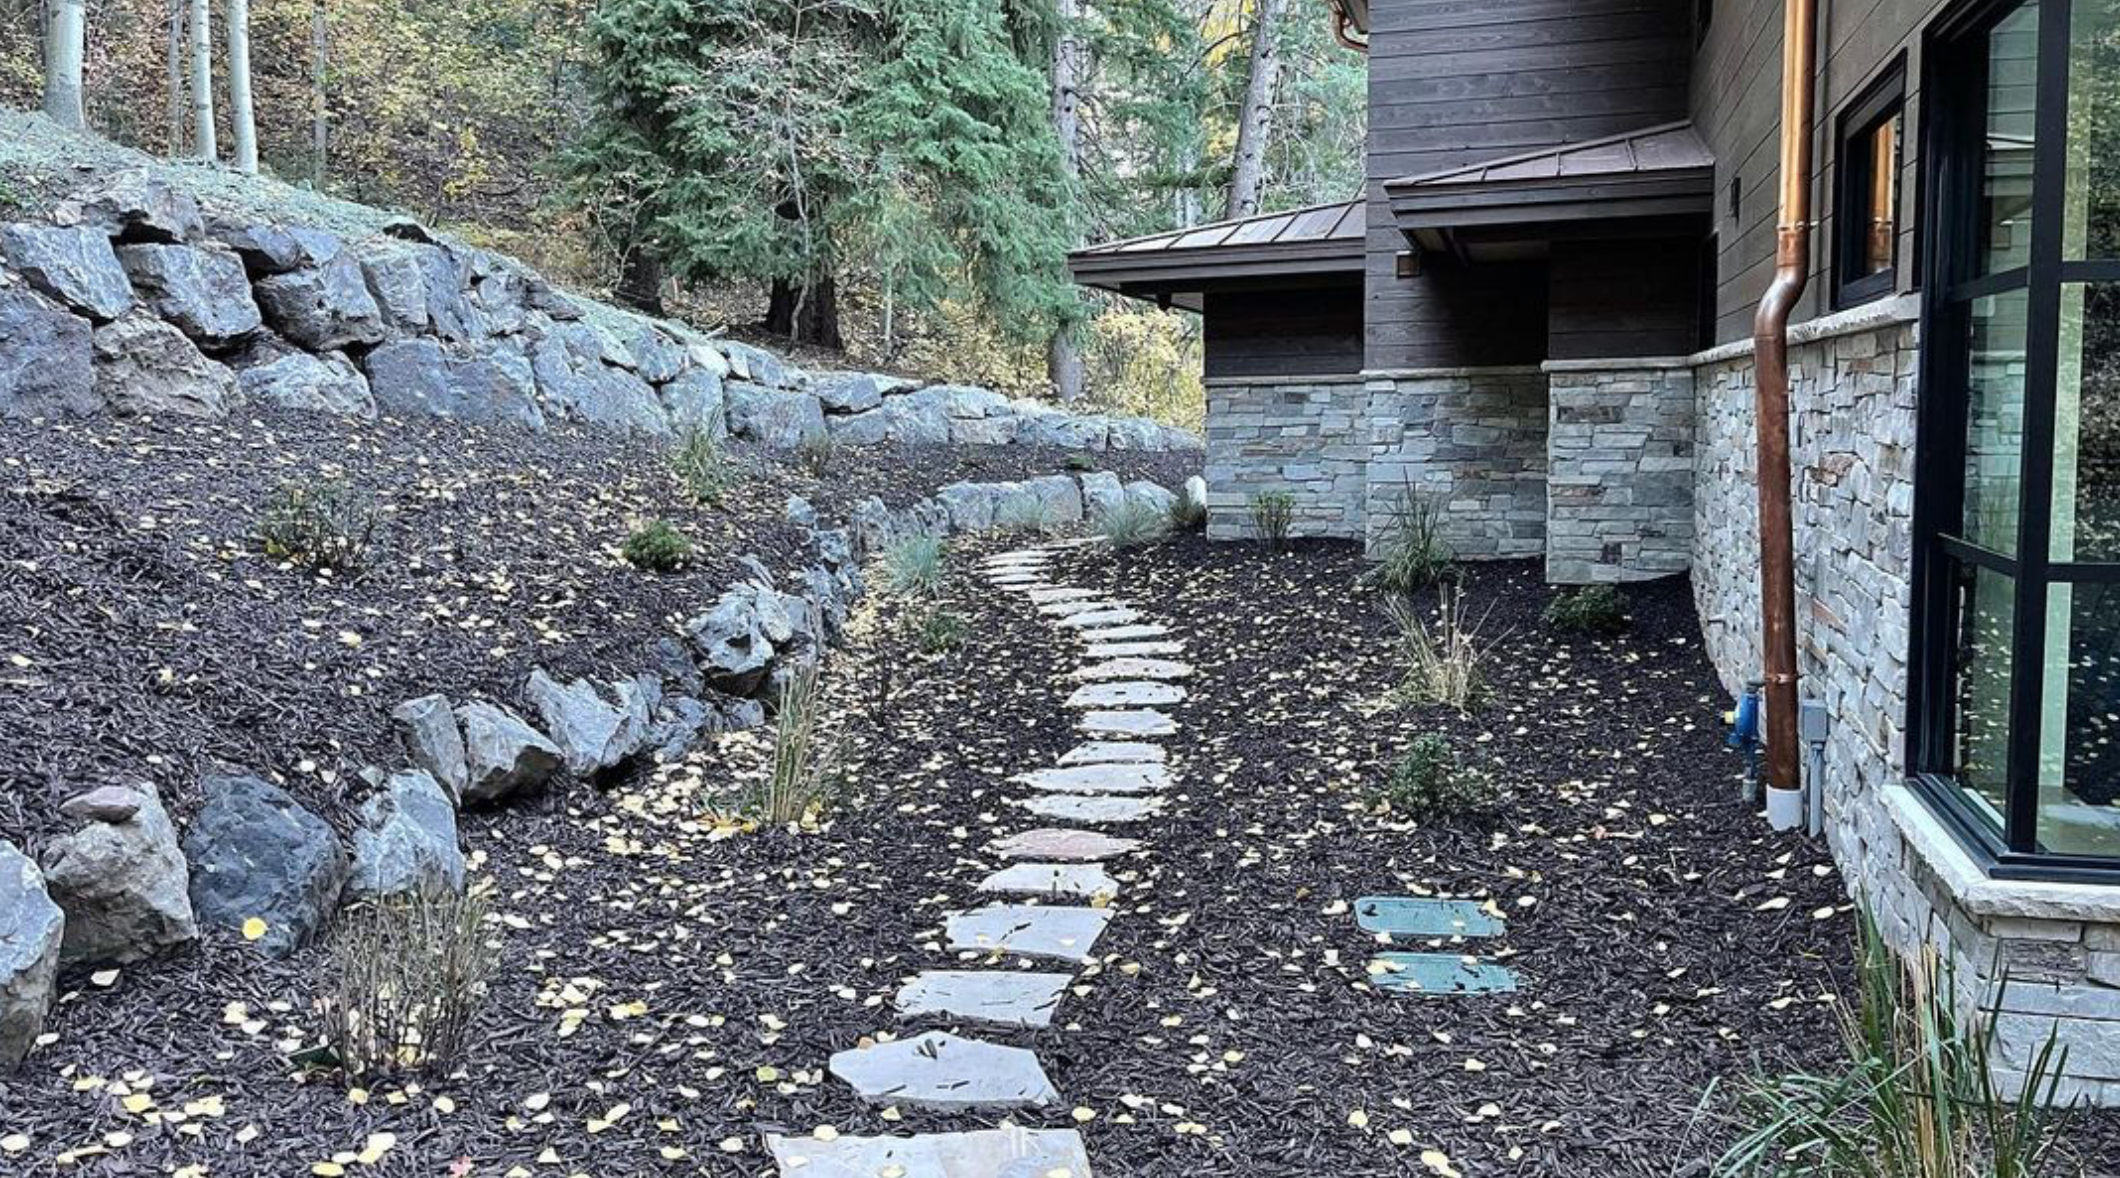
point(205, 293)
point(1152, 497)
point(47, 357)
point(1195, 494)
point(985, 431)
point(292, 379)
point(31, 931)
point(268, 249)
point(76, 266)
point(909, 421)
point(1067, 432)
point(870, 428)
point(406, 843)
point(573, 373)
point(971, 505)
point(1051, 501)
point(1102, 493)
point(847, 392)
point(961, 401)
point(425, 377)
point(778, 419)
point(503, 756)
point(257, 855)
point(657, 358)
point(758, 366)
point(121, 879)
point(397, 276)
point(144, 365)
point(694, 401)
point(323, 308)
point(737, 640)
point(594, 731)
point(136, 206)
point(427, 728)
point(1134, 433)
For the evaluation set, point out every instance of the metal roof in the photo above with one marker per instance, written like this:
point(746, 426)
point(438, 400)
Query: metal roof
point(1660, 171)
point(1322, 239)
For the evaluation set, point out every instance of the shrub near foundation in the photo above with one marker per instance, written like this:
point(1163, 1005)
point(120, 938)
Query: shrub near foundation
point(1132, 524)
point(1428, 783)
point(1591, 609)
point(1411, 552)
point(1273, 515)
point(658, 547)
point(1445, 662)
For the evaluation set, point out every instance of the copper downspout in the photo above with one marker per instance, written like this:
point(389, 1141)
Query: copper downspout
point(1770, 341)
point(1341, 22)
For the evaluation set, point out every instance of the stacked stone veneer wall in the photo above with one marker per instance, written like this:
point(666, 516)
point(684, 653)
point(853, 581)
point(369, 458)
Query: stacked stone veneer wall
point(1619, 483)
point(1307, 437)
point(1852, 432)
point(1473, 441)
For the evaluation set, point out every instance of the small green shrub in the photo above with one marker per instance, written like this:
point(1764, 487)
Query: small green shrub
point(942, 631)
point(657, 547)
point(816, 454)
point(1592, 609)
point(1429, 783)
point(319, 526)
point(1411, 552)
point(705, 466)
point(406, 977)
point(1444, 663)
point(915, 565)
point(1080, 462)
point(1131, 523)
point(1187, 514)
point(11, 197)
point(1273, 515)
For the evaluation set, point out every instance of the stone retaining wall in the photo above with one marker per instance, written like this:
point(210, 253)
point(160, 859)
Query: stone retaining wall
point(1473, 439)
point(1304, 436)
point(1619, 484)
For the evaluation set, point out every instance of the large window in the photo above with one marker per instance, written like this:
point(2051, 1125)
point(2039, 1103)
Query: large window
point(1866, 197)
point(2017, 644)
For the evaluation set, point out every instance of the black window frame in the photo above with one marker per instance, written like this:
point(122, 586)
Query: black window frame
point(1884, 98)
point(1952, 139)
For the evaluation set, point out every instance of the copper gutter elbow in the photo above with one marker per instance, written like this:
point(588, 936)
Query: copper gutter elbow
point(1770, 341)
point(1341, 22)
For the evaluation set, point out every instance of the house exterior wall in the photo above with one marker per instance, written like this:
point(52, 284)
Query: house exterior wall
point(1470, 440)
point(1301, 331)
point(1619, 483)
point(1307, 437)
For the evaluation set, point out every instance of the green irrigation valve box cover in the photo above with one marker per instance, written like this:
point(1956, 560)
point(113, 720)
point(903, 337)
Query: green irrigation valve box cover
point(1410, 916)
point(1439, 973)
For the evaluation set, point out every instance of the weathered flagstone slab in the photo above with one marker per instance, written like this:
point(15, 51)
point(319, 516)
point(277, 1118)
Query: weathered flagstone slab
point(1051, 931)
point(1114, 752)
point(1007, 1152)
point(1439, 973)
point(1128, 723)
point(1101, 617)
point(1001, 997)
point(1006, 580)
point(1075, 808)
point(1056, 880)
point(1139, 777)
point(1419, 916)
point(1135, 668)
point(1052, 842)
point(1128, 633)
point(1142, 694)
point(1062, 593)
point(1128, 650)
point(939, 1070)
point(1068, 609)
point(1018, 554)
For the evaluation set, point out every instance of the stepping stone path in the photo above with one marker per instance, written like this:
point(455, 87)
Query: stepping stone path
point(1118, 776)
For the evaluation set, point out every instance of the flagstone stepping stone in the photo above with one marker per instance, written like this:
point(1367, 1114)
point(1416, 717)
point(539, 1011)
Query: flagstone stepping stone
point(1127, 650)
point(1128, 723)
point(1006, 580)
point(1048, 596)
point(1051, 931)
point(1010, 999)
point(1114, 752)
point(1058, 880)
point(1126, 695)
point(1128, 633)
point(1439, 973)
point(1417, 916)
point(1119, 778)
point(1098, 809)
point(1101, 617)
point(1133, 668)
point(1053, 842)
point(1007, 1152)
point(1068, 609)
point(939, 1070)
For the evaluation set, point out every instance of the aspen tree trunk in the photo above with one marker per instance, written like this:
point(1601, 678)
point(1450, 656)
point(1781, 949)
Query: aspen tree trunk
point(1255, 121)
point(202, 129)
point(173, 76)
point(65, 43)
point(319, 109)
point(1063, 362)
point(242, 118)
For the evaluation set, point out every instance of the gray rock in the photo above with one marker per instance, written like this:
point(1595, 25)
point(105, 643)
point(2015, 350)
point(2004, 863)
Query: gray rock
point(31, 930)
point(108, 803)
point(971, 505)
point(694, 401)
point(1102, 493)
point(656, 357)
point(1134, 433)
point(1179, 439)
point(1115, 752)
point(1100, 809)
point(847, 392)
point(424, 377)
point(47, 357)
point(577, 379)
point(706, 357)
point(124, 885)
point(398, 278)
point(1053, 932)
point(1130, 722)
point(782, 420)
point(828, 596)
point(75, 266)
point(1067, 432)
point(503, 755)
point(757, 365)
point(911, 422)
point(297, 380)
point(1196, 494)
point(961, 401)
point(592, 731)
point(257, 854)
point(1005, 998)
point(1128, 667)
point(139, 207)
point(872, 428)
point(941, 1071)
point(679, 725)
point(204, 292)
point(1142, 778)
point(323, 308)
point(1050, 501)
point(1150, 497)
point(1077, 846)
point(737, 639)
point(800, 512)
point(144, 365)
point(427, 728)
point(406, 842)
point(267, 250)
point(985, 431)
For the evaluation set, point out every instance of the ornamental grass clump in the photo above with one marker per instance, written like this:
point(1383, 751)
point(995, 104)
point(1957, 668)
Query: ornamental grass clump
point(1917, 1096)
point(1592, 609)
point(1131, 523)
point(803, 778)
point(1428, 783)
point(1445, 662)
point(1187, 514)
point(324, 525)
point(657, 547)
point(705, 466)
point(1411, 552)
point(407, 976)
point(1273, 516)
point(815, 454)
point(913, 566)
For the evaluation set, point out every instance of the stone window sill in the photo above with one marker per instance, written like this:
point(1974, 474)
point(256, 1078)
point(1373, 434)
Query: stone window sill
point(1937, 848)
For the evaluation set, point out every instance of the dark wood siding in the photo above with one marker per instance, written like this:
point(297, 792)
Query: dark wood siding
point(1299, 332)
point(1454, 82)
point(1623, 298)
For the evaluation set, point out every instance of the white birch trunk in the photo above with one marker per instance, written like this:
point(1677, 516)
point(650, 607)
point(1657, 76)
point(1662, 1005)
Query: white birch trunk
point(1255, 121)
point(173, 76)
point(203, 140)
point(242, 118)
point(65, 44)
point(319, 109)
point(1063, 362)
